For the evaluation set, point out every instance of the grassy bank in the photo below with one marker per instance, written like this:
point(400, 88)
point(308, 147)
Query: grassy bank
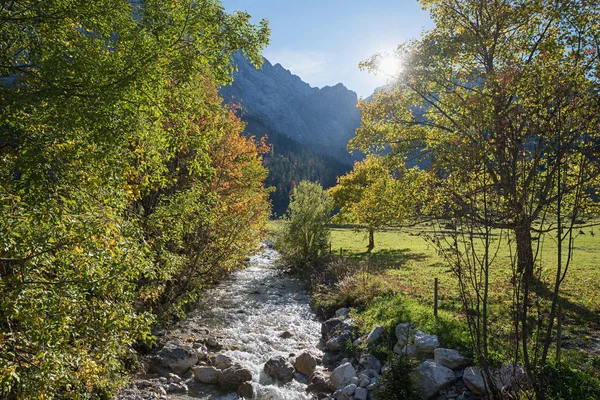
point(396, 283)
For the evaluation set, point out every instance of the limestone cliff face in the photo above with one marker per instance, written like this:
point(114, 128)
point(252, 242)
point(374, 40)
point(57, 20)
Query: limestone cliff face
point(275, 100)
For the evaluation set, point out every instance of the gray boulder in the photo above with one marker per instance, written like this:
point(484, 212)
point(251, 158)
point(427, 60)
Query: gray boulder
point(232, 377)
point(430, 377)
point(337, 343)
point(369, 361)
point(341, 376)
point(376, 335)
point(509, 376)
point(404, 333)
point(305, 363)
point(361, 393)
point(474, 380)
point(206, 374)
point(342, 313)
point(349, 389)
point(335, 326)
point(408, 350)
point(176, 356)
point(450, 358)
point(318, 382)
point(279, 369)
point(426, 343)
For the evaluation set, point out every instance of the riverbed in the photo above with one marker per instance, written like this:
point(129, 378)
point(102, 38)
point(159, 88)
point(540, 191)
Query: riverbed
point(252, 315)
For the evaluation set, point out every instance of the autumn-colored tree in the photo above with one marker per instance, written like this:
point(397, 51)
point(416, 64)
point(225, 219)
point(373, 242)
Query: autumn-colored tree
point(100, 101)
point(501, 97)
point(369, 195)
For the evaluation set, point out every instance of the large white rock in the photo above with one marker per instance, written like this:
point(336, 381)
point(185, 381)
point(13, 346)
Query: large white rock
point(206, 374)
point(341, 376)
point(450, 358)
point(426, 343)
point(375, 335)
point(430, 377)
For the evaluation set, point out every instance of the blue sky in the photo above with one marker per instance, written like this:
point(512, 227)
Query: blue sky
point(322, 41)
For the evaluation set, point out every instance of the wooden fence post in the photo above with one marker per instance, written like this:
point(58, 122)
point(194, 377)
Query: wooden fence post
point(435, 298)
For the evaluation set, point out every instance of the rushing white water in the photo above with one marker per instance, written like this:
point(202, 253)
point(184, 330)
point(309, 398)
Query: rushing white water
point(248, 313)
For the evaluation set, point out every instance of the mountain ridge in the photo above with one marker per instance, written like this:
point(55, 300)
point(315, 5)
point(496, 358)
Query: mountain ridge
point(324, 119)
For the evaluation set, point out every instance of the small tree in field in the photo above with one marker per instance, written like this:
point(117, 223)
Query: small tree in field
point(370, 196)
point(305, 238)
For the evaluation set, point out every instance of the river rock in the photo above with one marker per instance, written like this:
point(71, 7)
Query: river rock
point(341, 376)
point(206, 374)
point(178, 357)
point(335, 326)
point(376, 335)
point(177, 388)
point(430, 377)
point(232, 377)
point(223, 362)
point(338, 342)
point(279, 369)
point(426, 343)
point(246, 390)
point(474, 380)
point(213, 343)
point(285, 335)
point(450, 358)
point(361, 393)
point(369, 361)
point(305, 363)
point(318, 382)
point(174, 378)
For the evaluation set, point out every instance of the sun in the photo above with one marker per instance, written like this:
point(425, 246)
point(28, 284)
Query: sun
point(389, 65)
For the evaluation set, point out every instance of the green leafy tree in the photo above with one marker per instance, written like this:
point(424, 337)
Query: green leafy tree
point(501, 97)
point(305, 238)
point(369, 195)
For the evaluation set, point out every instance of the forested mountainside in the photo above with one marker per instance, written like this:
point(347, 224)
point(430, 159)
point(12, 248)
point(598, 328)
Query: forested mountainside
point(290, 162)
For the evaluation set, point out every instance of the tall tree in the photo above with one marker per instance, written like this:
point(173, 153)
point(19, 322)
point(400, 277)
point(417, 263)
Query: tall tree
point(502, 97)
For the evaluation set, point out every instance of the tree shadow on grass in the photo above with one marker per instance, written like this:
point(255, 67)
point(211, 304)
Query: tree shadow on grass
point(577, 313)
point(388, 259)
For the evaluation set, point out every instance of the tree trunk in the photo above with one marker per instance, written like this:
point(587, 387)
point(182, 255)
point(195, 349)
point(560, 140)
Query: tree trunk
point(371, 240)
point(525, 268)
